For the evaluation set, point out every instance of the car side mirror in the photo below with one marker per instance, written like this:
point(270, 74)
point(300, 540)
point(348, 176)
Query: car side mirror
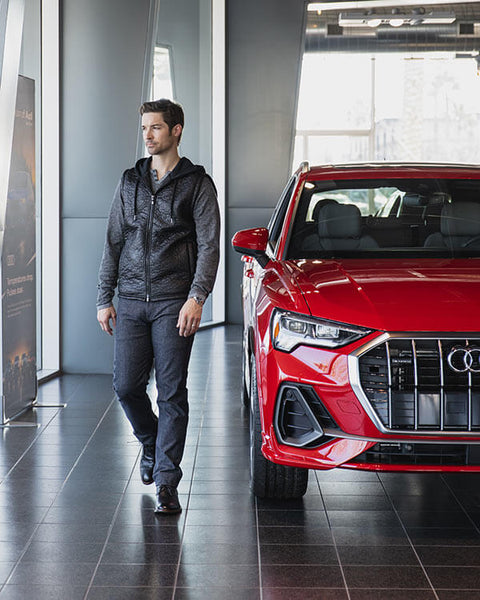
point(252, 242)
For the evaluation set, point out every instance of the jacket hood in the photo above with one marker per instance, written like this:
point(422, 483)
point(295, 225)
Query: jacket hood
point(394, 295)
point(183, 168)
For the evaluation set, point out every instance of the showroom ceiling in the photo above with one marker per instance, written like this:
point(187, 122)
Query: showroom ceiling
point(381, 26)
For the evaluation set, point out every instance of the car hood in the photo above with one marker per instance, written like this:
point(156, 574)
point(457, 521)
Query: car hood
point(394, 295)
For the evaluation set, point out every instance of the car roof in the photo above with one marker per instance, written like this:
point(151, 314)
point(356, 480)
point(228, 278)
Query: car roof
point(390, 169)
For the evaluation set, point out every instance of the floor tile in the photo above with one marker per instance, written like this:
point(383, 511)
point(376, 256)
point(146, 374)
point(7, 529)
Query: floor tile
point(135, 575)
point(435, 518)
point(458, 594)
point(370, 536)
point(302, 576)
point(62, 552)
point(403, 594)
point(297, 554)
point(230, 576)
point(141, 553)
point(43, 592)
point(377, 555)
point(220, 534)
point(297, 518)
point(130, 593)
point(217, 593)
point(5, 570)
point(238, 517)
point(74, 533)
point(52, 574)
point(356, 503)
point(303, 594)
point(455, 578)
point(363, 518)
point(148, 534)
point(295, 535)
point(220, 554)
point(452, 556)
point(385, 577)
point(444, 536)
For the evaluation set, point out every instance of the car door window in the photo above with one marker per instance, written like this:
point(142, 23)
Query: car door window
point(276, 222)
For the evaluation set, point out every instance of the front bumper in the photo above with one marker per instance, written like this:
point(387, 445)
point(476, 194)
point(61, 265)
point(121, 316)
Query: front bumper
point(313, 417)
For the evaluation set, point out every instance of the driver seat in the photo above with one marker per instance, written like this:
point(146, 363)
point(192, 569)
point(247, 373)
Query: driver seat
point(340, 228)
point(459, 224)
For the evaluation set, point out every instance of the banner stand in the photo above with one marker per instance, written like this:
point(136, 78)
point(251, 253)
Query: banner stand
point(16, 424)
point(38, 405)
point(18, 263)
point(8, 423)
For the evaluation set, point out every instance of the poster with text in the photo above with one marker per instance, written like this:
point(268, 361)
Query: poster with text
point(18, 262)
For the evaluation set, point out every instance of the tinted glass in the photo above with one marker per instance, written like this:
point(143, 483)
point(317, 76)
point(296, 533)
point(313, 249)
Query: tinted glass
point(387, 218)
point(276, 222)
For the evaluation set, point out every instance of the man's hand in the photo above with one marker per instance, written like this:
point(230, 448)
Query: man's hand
point(189, 318)
point(103, 317)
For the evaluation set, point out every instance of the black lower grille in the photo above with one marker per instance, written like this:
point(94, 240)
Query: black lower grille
point(423, 384)
point(421, 455)
point(301, 417)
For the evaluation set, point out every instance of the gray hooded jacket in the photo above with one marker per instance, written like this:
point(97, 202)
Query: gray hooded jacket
point(161, 244)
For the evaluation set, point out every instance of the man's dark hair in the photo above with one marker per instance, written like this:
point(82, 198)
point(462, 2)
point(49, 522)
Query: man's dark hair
point(171, 111)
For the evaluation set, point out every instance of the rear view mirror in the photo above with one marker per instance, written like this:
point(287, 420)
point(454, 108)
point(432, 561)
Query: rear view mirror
point(252, 242)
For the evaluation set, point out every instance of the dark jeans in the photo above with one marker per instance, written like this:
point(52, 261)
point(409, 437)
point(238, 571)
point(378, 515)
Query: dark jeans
point(146, 335)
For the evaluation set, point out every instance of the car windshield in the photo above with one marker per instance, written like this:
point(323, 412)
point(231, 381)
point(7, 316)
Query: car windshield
point(387, 218)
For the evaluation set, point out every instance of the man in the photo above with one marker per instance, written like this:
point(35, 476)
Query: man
point(161, 252)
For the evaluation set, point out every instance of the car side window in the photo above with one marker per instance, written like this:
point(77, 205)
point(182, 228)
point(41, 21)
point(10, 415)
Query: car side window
point(276, 222)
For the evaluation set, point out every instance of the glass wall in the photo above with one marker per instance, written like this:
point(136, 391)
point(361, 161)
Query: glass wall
point(30, 66)
point(39, 62)
point(189, 67)
point(363, 96)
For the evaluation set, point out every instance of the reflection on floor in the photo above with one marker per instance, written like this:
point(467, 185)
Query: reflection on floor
point(76, 522)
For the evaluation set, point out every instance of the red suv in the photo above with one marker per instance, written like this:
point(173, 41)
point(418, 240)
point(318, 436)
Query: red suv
point(361, 307)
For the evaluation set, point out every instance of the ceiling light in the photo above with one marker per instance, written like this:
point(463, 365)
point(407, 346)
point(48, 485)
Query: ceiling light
point(397, 19)
point(373, 4)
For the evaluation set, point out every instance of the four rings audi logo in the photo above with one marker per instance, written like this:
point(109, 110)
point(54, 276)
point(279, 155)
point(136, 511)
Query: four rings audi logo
point(462, 359)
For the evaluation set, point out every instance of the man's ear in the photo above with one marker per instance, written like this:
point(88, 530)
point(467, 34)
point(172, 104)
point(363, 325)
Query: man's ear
point(177, 130)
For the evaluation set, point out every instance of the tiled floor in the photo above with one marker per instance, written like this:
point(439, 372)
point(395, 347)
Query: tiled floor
point(76, 522)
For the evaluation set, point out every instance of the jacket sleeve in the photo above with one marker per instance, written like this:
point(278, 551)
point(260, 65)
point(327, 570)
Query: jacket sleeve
point(114, 240)
point(206, 216)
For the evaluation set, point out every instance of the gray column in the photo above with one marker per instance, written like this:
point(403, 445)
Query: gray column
point(265, 47)
point(103, 63)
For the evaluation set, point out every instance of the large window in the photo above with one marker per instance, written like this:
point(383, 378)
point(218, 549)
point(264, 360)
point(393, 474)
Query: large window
point(404, 93)
point(388, 107)
point(162, 76)
point(39, 62)
point(189, 67)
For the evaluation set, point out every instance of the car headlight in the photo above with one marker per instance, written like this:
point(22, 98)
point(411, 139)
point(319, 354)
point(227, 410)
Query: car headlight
point(290, 330)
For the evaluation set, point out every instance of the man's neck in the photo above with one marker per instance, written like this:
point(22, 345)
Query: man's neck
point(163, 164)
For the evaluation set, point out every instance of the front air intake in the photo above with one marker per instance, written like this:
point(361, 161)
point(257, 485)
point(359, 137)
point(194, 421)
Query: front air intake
point(301, 417)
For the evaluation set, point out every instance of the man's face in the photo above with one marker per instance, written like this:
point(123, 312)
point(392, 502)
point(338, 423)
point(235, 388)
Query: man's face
point(156, 134)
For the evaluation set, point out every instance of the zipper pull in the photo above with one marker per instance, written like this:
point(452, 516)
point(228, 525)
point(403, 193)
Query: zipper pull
point(148, 298)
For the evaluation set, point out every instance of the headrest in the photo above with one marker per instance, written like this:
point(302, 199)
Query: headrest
point(319, 205)
point(339, 221)
point(438, 198)
point(460, 219)
point(411, 199)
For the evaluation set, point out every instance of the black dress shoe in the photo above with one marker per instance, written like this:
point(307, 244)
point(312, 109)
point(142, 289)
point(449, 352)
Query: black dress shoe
point(167, 501)
point(147, 462)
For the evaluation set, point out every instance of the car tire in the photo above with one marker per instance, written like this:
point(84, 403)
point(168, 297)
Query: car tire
point(267, 479)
